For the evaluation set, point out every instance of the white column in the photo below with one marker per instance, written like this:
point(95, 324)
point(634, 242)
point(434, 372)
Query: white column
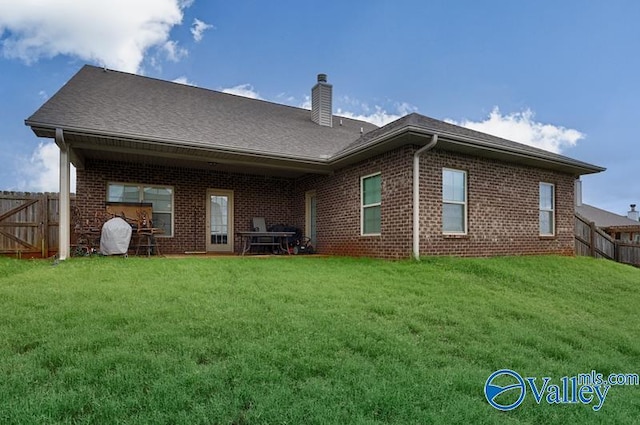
point(64, 226)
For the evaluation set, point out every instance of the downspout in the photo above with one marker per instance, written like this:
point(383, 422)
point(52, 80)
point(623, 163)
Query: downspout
point(416, 194)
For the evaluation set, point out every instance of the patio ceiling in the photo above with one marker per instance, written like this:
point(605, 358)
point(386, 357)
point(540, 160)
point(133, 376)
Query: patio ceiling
point(84, 147)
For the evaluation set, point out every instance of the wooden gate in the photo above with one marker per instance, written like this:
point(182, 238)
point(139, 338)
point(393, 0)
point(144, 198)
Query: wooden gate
point(29, 224)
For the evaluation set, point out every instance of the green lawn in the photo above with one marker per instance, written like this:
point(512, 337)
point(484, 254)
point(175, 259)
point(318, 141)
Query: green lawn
point(309, 340)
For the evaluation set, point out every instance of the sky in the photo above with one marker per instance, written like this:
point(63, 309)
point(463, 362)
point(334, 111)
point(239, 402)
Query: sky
point(560, 75)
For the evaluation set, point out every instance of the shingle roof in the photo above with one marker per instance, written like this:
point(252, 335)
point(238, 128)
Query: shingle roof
point(480, 140)
point(105, 102)
point(140, 107)
point(603, 218)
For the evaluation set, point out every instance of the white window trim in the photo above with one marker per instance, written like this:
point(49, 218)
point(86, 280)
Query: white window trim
point(363, 206)
point(465, 203)
point(141, 187)
point(552, 210)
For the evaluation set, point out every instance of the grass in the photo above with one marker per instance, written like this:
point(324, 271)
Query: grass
point(309, 340)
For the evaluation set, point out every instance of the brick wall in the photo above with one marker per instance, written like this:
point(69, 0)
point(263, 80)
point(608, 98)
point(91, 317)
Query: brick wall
point(338, 207)
point(502, 204)
point(254, 196)
point(503, 215)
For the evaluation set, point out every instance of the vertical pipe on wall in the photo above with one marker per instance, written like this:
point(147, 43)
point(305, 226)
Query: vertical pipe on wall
point(416, 194)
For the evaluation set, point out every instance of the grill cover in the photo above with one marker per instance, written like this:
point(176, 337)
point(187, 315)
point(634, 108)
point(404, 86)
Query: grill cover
point(115, 238)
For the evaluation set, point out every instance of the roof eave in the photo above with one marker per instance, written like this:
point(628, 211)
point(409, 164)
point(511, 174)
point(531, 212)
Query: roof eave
point(403, 135)
point(420, 135)
point(159, 147)
point(520, 156)
point(622, 228)
point(48, 131)
point(398, 137)
point(577, 167)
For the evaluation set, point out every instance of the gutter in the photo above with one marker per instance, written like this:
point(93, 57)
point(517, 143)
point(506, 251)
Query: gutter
point(537, 154)
point(379, 140)
point(416, 194)
point(177, 143)
point(335, 160)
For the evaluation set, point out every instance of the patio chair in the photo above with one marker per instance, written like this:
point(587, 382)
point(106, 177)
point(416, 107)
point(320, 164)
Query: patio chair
point(146, 232)
point(258, 224)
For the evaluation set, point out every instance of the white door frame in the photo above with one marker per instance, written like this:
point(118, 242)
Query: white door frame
point(228, 247)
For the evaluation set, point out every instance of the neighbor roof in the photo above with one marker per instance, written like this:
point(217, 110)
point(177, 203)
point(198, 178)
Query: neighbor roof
point(605, 219)
point(98, 104)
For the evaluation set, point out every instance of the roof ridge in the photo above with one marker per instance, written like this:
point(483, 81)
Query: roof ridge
point(220, 92)
point(606, 214)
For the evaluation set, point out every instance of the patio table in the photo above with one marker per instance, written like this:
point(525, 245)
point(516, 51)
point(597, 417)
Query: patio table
point(278, 240)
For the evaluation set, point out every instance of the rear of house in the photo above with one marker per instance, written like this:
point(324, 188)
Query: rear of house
point(209, 162)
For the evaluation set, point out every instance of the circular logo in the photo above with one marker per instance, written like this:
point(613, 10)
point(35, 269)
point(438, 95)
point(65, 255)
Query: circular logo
point(514, 385)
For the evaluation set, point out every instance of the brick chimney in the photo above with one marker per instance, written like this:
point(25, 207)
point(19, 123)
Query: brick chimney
point(633, 214)
point(321, 102)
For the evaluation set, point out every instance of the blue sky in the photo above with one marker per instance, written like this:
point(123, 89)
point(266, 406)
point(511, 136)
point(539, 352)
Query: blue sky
point(563, 76)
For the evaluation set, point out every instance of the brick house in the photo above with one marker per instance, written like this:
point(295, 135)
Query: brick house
point(619, 227)
point(210, 161)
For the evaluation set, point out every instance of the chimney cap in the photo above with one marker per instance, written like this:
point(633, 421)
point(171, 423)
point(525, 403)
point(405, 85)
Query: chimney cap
point(322, 78)
point(633, 207)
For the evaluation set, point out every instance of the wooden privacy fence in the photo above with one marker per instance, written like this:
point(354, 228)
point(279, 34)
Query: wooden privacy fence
point(29, 224)
point(592, 241)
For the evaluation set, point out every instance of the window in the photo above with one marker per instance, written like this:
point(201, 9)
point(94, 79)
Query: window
point(160, 197)
point(371, 197)
point(454, 202)
point(547, 209)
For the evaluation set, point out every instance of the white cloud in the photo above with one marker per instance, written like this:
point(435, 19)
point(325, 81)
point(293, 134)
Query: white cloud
point(174, 51)
point(198, 28)
point(521, 127)
point(306, 103)
point(184, 80)
point(245, 90)
point(116, 34)
point(380, 116)
point(41, 171)
point(284, 97)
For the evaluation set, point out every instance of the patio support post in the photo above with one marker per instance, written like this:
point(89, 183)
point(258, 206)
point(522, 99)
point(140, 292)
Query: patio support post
point(416, 194)
point(64, 225)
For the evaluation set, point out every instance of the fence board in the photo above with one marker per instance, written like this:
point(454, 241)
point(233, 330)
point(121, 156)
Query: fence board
point(629, 253)
point(592, 241)
point(29, 223)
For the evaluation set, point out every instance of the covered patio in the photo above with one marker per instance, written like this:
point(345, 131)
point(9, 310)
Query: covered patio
point(141, 158)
